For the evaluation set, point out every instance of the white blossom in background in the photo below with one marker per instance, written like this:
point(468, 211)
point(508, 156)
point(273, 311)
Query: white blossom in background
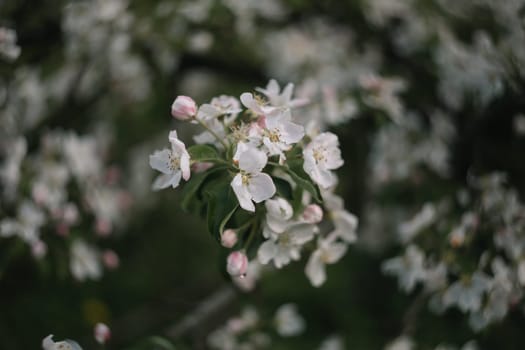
point(49, 344)
point(84, 261)
point(401, 343)
point(8, 47)
point(408, 268)
point(327, 252)
point(288, 321)
point(333, 342)
point(174, 164)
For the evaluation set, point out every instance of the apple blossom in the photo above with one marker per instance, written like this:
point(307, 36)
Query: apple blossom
point(173, 164)
point(327, 252)
point(284, 98)
point(250, 183)
point(321, 155)
point(183, 108)
point(49, 344)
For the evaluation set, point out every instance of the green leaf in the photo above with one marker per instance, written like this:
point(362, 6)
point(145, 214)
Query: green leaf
point(200, 153)
point(305, 183)
point(190, 191)
point(284, 189)
point(221, 204)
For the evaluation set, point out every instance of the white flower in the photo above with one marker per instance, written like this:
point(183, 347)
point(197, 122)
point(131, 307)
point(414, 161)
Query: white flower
point(279, 134)
point(320, 156)
point(467, 294)
point(285, 244)
point(84, 261)
point(173, 164)
point(183, 108)
point(409, 268)
point(256, 104)
point(281, 99)
point(49, 344)
point(288, 322)
point(8, 47)
point(327, 252)
point(227, 106)
point(250, 183)
point(345, 223)
point(27, 225)
point(278, 214)
point(333, 342)
point(401, 343)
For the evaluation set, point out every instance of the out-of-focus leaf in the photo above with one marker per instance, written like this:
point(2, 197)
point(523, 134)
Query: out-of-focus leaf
point(221, 202)
point(190, 191)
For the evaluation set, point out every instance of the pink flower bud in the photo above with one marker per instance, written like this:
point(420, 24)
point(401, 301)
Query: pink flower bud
point(237, 264)
point(313, 214)
point(39, 249)
point(183, 108)
point(229, 238)
point(102, 333)
point(110, 259)
point(103, 227)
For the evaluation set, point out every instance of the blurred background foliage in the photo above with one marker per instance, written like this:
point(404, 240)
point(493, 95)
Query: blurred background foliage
point(168, 262)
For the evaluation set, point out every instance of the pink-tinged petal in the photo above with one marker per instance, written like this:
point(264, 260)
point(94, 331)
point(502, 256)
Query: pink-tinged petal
point(237, 264)
point(241, 191)
point(261, 187)
point(252, 160)
point(185, 165)
point(183, 108)
point(160, 160)
point(267, 252)
point(315, 269)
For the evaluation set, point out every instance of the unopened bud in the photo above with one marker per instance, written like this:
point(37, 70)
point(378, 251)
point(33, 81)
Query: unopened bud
point(313, 214)
point(237, 264)
point(183, 108)
point(102, 333)
point(110, 259)
point(229, 238)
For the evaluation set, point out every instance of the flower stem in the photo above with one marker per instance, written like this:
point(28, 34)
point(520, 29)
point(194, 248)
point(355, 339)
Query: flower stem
point(212, 132)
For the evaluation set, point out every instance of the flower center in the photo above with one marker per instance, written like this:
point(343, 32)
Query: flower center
point(245, 179)
point(319, 154)
point(174, 162)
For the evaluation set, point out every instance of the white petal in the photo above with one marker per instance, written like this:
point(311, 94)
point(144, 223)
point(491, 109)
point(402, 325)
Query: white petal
point(207, 111)
point(315, 270)
point(159, 160)
point(166, 180)
point(249, 102)
point(185, 165)
point(291, 132)
point(241, 191)
point(261, 187)
point(252, 160)
point(334, 252)
point(266, 252)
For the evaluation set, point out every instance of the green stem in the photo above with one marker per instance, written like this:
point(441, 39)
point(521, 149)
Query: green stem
point(213, 133)
point(251, 235)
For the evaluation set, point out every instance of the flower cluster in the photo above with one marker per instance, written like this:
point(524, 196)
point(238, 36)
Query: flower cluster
point(259, 161)
point(60, 192)
point(480, 270)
